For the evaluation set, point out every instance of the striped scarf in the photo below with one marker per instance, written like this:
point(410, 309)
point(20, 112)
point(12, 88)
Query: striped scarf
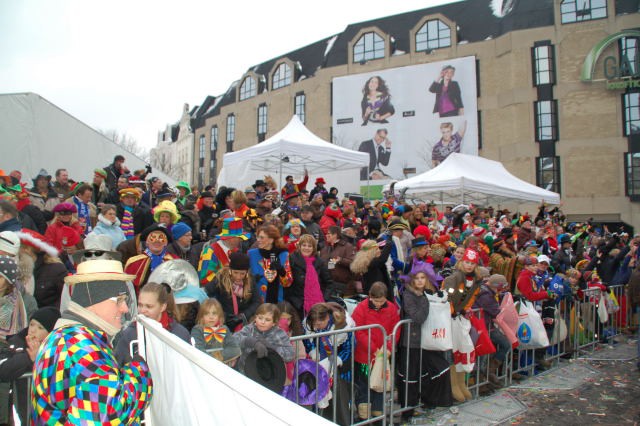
point(127, 223)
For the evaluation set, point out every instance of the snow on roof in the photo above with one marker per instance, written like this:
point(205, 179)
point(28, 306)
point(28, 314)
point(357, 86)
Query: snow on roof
point(330, 43)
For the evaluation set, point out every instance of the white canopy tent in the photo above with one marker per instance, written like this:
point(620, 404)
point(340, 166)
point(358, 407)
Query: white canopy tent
point(468, 179)
point(289, 152)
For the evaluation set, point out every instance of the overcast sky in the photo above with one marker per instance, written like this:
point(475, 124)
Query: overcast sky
point(131, 65)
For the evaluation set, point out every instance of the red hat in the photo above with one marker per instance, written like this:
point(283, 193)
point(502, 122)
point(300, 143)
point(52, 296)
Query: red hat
point(422, 230)
point(333, 211)
point(37, 241)
point(65, 207)
point(320, 180)
point(291, 195)
point(471, 256)
point(478, 231)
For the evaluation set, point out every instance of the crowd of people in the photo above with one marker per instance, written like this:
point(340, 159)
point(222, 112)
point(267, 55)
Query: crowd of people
point(272, 264)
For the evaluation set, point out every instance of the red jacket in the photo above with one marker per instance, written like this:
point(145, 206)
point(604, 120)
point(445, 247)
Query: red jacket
point(528, 287)
point(54, 233)
point(388, 316)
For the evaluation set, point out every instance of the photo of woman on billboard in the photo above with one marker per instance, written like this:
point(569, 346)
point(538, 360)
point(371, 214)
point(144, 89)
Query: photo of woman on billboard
point(376, 101)
point(448, 98)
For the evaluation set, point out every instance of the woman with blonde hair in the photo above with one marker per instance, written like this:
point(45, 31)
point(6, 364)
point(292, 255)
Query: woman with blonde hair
point(369, 265)
point(65, 216)
point(311, 277)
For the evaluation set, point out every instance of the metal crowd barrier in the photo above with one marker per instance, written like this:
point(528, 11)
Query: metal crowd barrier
point(579, 314)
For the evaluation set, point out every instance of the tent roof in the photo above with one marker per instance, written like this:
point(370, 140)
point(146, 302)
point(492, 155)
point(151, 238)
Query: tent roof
point(471, 179)
point(295, 147)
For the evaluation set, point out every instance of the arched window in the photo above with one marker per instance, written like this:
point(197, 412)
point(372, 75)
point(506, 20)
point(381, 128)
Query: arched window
point(248, 88)
point(369, 46)
point(434, 34)
point(282, 76)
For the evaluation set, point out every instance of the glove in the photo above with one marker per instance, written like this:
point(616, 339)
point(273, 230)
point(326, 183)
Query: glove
point(440, 293)
point(261, 349)
point(233, 322)
point(249, 342)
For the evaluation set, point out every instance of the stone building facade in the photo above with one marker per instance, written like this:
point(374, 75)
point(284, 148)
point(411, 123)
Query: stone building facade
point(173, 153)
point(535, 113)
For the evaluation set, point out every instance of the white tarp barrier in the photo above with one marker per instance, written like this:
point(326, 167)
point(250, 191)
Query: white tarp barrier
point(192, 388)
point(36, 134)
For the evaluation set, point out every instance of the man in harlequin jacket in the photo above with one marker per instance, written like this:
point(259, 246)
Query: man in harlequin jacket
point(76, 378)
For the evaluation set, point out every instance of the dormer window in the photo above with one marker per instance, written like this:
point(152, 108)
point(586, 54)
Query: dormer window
point(282, 76)
point(582, 10)
point(369, 46)
point(248, 88)
point(434, 34)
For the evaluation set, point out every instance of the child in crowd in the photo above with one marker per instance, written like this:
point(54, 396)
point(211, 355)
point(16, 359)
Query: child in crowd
point(290, 323)
point(375, 309)
point(324, 317)
point(263, 334)
point(431, 368)
point(210, 335)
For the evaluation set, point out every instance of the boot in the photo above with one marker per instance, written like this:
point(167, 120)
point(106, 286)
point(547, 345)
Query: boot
point(363, 410)
point(455, 391)
point(462, 385)
point(494, 365)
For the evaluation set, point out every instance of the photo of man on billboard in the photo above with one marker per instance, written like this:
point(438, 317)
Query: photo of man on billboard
point(379, 149)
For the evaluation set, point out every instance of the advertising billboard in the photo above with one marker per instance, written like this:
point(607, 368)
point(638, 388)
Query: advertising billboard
point(408, 119)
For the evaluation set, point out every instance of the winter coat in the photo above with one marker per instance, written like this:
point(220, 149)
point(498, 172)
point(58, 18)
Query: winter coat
point(377, 271)
point(76, 371)
point(416, 308)
point(461, 297)
point(366, 314)
point(46, 203)
point(110, 229)
point(275, 338)
point(48, 274)
point(346, 252)
point(191, 255)
point(563, 260)
point(12, 224)
point(607, 265)
point(142, 217)
point(294, 294)
point(129, 248)
point(55, 232)
point(486, 301)
point(528, 287)
point(16, 362)
point(207, 219)
point(246, 307)
point(634, 286)
point(37, 216)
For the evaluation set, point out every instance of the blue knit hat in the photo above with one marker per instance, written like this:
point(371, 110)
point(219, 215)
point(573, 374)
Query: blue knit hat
point(179, 229)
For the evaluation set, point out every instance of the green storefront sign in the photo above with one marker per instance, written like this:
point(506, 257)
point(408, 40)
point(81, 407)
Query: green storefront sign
point(620, 73)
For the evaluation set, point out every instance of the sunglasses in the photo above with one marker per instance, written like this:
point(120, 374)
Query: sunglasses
point(120, 299)
point(65, 213)
point(157, 237)
point(94, 253)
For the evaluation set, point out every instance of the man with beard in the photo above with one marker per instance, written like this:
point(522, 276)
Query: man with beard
point(62, 185)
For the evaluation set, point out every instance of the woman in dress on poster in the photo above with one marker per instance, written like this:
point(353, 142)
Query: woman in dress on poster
point(376, 101)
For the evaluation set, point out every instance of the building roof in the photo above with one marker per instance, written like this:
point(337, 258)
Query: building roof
point(476, 20)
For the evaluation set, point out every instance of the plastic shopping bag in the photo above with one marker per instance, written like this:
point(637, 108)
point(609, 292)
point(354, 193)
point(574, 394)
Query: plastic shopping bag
point(484, 345)
point(603, 314)
point(464, 353)
point(380, 373)
point(531, 332)
point(436, 330)
point(507, 320)
point(559, 329)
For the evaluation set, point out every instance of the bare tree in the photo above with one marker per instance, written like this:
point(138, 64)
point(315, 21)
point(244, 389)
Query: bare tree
point(128, 143)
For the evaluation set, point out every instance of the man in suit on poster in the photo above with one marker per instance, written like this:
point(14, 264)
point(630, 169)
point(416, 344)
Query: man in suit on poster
point(379, 149)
